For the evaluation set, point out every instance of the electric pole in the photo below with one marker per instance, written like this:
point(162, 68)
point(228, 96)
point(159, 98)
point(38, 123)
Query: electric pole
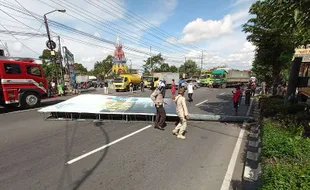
point(201, 62)
point(184, 75)
point(60, 61)
point(151, 58)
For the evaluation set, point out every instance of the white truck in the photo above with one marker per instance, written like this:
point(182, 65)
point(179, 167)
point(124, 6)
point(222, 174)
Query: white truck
point(91, 80)
point(167, 76)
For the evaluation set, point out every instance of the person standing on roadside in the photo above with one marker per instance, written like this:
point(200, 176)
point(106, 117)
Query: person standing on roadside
point(106, 87)
point(157, 98)
point(131, 87)
point(75, 88)
point(142, 86)
point(173, 89)
point(182, 113)
point(253, 87)
point(190, 91)
point(181, 81)
point(236, 97)
point(242, 91)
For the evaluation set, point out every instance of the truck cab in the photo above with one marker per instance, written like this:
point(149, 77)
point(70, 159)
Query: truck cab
point(147, 80)
point(122, 82)
point(206, 79)
point(22, 82)
point(219, 78)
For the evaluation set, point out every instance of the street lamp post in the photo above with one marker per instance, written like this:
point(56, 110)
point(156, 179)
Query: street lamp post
point(49, 36)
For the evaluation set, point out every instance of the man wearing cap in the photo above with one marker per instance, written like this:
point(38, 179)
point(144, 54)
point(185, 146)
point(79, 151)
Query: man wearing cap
point(182, 113)
point(158, 99)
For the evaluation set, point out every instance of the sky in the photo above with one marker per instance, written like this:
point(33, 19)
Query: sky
point(206, 31)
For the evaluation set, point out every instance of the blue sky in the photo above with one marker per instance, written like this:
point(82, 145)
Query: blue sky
point(211, 26)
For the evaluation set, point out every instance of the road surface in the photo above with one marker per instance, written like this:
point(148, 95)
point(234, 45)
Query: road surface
point(39, 154)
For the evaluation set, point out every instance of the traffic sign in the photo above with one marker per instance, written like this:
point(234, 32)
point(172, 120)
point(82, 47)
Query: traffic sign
point(50, 44)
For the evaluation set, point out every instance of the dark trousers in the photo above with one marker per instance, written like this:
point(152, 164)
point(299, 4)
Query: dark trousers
point(247, 98)
point(142, 88)
point(190, 97)
point(160, 116)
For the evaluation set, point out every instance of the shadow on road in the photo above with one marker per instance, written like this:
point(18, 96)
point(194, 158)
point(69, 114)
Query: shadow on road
point(224, 106)
point(236, 185)
point(65, 181)
point(43, 104)
point(214, 131)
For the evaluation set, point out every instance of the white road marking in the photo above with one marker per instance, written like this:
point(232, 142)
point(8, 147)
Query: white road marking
point(201, 102)
point(107, 145)
point(222, 93)
point(232, 163)
point(234, 156)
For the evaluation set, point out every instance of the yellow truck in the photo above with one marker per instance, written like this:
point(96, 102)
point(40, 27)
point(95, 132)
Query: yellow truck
point(122, 82)
point(148, 81)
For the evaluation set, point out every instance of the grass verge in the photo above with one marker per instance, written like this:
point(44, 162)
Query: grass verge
point(285, 158)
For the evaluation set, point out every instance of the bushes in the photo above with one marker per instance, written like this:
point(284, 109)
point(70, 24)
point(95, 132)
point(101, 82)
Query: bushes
point(293, 117)
point(285, 159)
point(285, 153)
point(286, 176)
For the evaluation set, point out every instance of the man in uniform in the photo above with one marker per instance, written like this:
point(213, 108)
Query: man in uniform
point(158, 99)
point(182, 113)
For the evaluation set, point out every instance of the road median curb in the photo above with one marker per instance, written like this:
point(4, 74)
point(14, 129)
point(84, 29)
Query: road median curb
point(252, 167)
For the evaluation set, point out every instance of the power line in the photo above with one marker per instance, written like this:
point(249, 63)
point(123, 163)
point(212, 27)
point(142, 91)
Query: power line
point(107, 25)
point(148, 23)
point(20, 41)
point(39, 19)
point(133, 24)
point(83, 33)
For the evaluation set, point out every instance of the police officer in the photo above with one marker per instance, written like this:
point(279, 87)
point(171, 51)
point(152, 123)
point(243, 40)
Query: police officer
point(158, 98)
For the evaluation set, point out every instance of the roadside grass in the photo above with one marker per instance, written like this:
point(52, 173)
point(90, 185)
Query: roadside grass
point(285, 159)
point(285, 156)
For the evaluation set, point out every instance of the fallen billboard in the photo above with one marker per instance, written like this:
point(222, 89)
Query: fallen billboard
point(103, 104)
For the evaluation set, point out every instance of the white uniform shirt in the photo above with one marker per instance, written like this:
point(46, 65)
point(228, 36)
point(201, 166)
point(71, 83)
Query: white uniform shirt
point(190, 88)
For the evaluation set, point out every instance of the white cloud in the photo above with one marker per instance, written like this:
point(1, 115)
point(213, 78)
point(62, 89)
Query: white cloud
point(199, 29)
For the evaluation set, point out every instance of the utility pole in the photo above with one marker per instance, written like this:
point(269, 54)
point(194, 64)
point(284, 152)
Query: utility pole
point(130, 71)
point(60, 61)
point(49, 39)
point(201, 62)
point(151, 59)
point(184, 75)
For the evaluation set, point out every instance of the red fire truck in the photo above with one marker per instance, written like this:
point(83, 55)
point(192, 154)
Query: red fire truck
point(22, 82)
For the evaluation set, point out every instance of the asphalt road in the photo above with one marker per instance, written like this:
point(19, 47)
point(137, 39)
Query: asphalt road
point(35, 153)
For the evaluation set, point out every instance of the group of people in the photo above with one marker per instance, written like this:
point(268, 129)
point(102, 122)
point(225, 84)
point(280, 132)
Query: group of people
point(241, 90)
point(181, 108)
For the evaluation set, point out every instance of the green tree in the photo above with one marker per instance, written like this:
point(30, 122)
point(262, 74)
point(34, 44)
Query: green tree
point(153, 64)
point(164, 67)
point(101, 68)
point(173, 69)
point(190, 68)
point(80, 68)
point(49, 66)
point(275, 43)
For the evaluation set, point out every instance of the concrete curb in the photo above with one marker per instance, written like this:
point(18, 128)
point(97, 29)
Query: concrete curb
point(88, 90)
point(252, 167)
point(221, 118)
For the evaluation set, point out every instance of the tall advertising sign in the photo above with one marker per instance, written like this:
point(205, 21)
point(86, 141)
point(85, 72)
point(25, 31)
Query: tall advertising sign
point(69, 61)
